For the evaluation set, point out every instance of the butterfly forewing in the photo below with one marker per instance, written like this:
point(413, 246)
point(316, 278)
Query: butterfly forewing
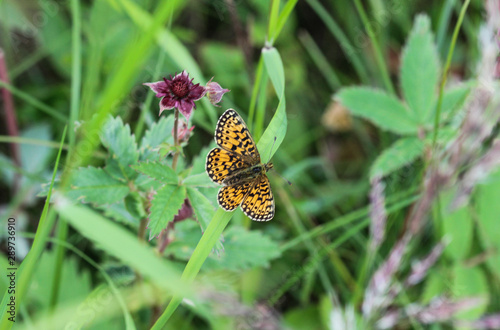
point(259, 203)
point(221, 163)
point(232, 135)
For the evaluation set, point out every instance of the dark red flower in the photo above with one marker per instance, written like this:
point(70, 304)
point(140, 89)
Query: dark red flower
point(178, 92)
point(215, 92)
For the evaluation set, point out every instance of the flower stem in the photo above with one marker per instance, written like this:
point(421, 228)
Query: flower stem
point(176, 138)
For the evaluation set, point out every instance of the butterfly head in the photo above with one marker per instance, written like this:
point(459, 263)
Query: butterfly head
point(268, 166)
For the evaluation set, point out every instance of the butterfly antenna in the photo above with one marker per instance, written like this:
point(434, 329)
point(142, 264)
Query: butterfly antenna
point(269, 158)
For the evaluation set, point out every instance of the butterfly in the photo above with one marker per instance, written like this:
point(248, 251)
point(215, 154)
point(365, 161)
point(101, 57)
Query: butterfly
point(237, 166)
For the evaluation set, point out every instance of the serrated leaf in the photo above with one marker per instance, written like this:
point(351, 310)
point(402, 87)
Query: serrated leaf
point(488, 210)
point(146, 183)
point(119, 212)
point(381, 109)
point(75, 282)
point(121, 143)
point(160, 132)
point(203, 209)
point(420, 69)
point(243, 250)
point(164, 206)
point(94, 185)
point(157, 171)
point(402, 152)
point(458, 226)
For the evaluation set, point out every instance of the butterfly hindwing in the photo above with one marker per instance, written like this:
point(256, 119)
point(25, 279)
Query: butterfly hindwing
point(232, 135)
point(221, 163)
point(259, 203)
point(230, 197)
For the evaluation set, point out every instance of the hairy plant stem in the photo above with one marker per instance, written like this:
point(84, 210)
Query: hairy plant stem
point(176, 139)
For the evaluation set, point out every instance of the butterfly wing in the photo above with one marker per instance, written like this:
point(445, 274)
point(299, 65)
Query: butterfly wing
point(221, 163)
point(233, 136)
point(258, 205)
point(230, 197)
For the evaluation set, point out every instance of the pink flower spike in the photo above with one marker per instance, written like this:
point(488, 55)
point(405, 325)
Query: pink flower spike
point(178, 92)
point(215, 92)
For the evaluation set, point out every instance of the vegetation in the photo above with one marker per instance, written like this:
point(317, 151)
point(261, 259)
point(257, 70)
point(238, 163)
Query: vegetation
point(383, 116)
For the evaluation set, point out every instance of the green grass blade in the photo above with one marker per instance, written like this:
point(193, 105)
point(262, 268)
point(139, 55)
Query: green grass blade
point(376, 47)
point(273, 20)
point(351, 53)
point(76, 82)
point(283, 17)
point(446, 69)
point(200, 254)
point(28, 265)
point(34, 102)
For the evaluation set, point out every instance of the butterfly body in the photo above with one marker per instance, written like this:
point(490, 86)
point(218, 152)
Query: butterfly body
point(247, 174)
point(236, 165)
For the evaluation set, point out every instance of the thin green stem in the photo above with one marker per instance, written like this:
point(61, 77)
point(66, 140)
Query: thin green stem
point(76, 82)
point(446, 69)
point(62, 235)
point(255, 93)
point(376, 47)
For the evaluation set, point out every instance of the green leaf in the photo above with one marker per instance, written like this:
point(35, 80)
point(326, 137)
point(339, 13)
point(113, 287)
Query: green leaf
point(420, 70)
point(277, 126)
point(119, 212)
point(470, 282)
point(121, 143)
point(164, 206)
point(488, 210)
point(402, 152)
point(160, 132)
point(244, 250)
point(458, 226)
point(94, 185)
point(75, 282)
point(381, 109)
point(203, 209)
point(157, 171)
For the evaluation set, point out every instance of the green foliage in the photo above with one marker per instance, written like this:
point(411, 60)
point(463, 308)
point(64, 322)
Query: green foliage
point(122, 148)
point(420, 70)
point(157, 171)
point(458, 227)
point(380, 108)
point(165, 205)
point(488, 211)
point(403, 152)
point(95, 185)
